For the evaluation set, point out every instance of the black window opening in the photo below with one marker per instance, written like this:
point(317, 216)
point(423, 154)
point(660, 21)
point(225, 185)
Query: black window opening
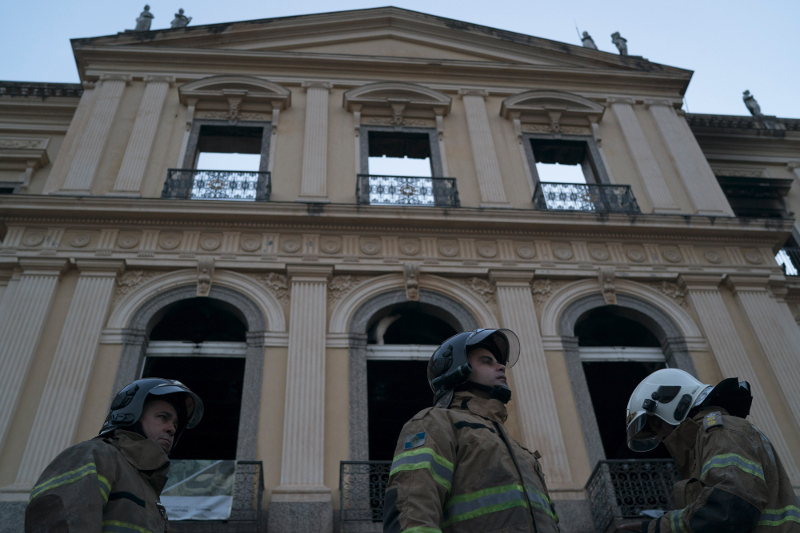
point(219, 381)
point(611, 383)
point(392, 153)
point(756, 197)
point(231, 148)
point(788, 257)
point(564, 161)
point(4, 189)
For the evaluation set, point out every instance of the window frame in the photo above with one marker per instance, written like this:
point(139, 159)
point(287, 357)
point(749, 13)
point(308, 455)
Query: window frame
point(192, 155)
point(433, 137)
point(593, 159)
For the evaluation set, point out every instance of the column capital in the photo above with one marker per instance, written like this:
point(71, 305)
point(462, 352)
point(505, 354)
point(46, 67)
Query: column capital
point(739, 282)
point(98, 267)
point(309, 272)
point(511, 278)
point(473, 92)
point(657, 102)
point(700, 282)
point(116, 77)
point(793, 165)
point(317, 85)
point(628, 101)
point(46, 267)
point(162, 79)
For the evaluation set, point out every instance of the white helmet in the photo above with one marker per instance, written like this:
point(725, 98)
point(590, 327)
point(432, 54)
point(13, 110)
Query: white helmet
point(668, 394)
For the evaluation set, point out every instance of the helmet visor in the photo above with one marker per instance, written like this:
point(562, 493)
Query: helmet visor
point(640, 437)
point(505, 340)
point(194, 405)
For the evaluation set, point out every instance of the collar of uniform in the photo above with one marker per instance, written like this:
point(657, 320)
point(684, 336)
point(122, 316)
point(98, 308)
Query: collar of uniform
point(492, 409)
point(683, 439)
point(142, 453)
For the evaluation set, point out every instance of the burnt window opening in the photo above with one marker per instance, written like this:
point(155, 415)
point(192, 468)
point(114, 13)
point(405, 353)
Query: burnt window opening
point(756, 197)
point(219, 382)
point(604, 326)
point(789, 257)
point(229, 148)
point(411, 323)
point(4, 189)
point(397, 153)
point(564, 161)
point(199, 319)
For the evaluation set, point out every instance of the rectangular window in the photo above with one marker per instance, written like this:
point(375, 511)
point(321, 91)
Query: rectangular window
point(563, 161)
point(399, 154)
point(229, 148)
point(756, 197)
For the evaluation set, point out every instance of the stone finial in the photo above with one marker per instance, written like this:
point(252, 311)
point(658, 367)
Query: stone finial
point(144, 20)
point(752, 105)
point(411, 274)
point(587, 41)
point(180, 20)
point(205, 272)
point(620, 42)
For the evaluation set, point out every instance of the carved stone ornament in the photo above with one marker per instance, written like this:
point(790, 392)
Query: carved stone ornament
point(409, 246)
point(33, 239)
point(448, 248)
point(341, 285)
point(600, 253)
point(250, 243)
point(330, 245)
point(130, 280)
point(672, 290)
point(80, 240)
point(169, 241)
point(753, 257)
point(671, 255)
point(277, 284)
point(543, 288)
point(205, 273)
point(606, 279)
point(22, 144)
point(290, 244)
point(482, 287)
point(526, 251)
point(210, 242)
point(712, 257)
point(370, 246)
point(392, 121)
point(127, 241)
point(636, 255)
point(487, 249)
point(411, 275)
point(563, 252)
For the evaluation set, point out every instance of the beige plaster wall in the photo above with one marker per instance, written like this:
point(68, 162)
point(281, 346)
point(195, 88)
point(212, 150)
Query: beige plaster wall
point(337, 424)
point(25, 413)
point(341, 151)
point(166, 145)
point(391, 47)
point(100, 390)
point(515, 181)
point(270, 420)
point(460, 162)
point(289, 154)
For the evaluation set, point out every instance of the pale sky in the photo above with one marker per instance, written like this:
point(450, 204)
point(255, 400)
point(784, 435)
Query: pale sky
point(731, 45)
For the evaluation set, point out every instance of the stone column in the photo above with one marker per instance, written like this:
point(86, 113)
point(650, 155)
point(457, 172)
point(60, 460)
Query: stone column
point(732, 358)
point(302, 502)
point(20, 333)
point(533, 392)
point(483, 152)
point(9, 279)
point(695, 172)
point(313, 184)
point(134, 163)
point(95, 136)
point(643, 158)
point(778, 345)
point(62, 401)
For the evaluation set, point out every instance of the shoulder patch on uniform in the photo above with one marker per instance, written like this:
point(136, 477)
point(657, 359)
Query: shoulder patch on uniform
point(712, 420)
point(414, 441)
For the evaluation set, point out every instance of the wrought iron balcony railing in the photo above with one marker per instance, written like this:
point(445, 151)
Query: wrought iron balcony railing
point(362, 488)
point(193, 184)
point(620, 489)
point(790, 259)
point(585, 197)
point(404, 190)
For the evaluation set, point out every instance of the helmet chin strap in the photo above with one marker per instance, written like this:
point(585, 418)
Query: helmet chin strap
point(497, 392)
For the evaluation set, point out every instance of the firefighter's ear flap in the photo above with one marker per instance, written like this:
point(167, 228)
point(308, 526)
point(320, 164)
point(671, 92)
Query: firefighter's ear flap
point(391, 515)
point(46, 514)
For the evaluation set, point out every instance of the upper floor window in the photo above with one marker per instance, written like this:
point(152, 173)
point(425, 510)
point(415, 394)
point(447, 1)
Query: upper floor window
point(224, 147)
point(756, 197)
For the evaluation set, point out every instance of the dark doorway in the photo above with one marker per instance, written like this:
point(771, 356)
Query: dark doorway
point(200, 319)
point(610, 386)
point(219, 382)
point(608, 326)
point(397, 391)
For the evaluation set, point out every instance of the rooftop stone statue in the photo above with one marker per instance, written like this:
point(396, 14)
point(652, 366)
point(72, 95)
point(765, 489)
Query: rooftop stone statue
point(587, 41)
point(144, 20)
point(620, 42)
point(752, 105)
point(180, 20)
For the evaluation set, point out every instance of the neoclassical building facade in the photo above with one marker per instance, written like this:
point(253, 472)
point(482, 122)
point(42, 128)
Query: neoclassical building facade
point(304, 294)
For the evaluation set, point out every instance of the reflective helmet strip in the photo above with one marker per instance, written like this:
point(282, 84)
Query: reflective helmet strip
point(70, 477)
point(732, 459)
point(777, 517)
point(440, 468)
point(483, 502)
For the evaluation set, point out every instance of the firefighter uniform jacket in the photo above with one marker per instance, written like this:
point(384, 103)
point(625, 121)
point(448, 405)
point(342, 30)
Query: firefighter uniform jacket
point(733, 479)
point(110, 484)
point(456, 470)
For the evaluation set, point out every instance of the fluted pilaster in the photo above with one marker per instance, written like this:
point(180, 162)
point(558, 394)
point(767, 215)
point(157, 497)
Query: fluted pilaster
point(643, 158)
point(304, 417)
point(62, 401)
point(313, 185)
point(93, 142)
point(21, 331)
point(697, 176)
point(733, 361)
point(533, 391)
point(134, 163)
point(490, 181)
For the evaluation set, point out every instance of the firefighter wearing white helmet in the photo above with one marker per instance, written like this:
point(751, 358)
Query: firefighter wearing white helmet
point(113, 482)
point(733, 480)
point(455, 468)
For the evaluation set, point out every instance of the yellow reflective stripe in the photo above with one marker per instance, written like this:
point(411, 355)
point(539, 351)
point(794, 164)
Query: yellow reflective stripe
point(482, 502)
point(541, 501)
point(105, 486)
point(732, 459)
point(64, 479)
point(115, 526)
point(676, 524)
point(422, 529)
point(425, 458)
point(777, 517)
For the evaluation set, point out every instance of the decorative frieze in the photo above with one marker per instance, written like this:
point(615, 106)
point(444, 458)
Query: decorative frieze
point(278, 285)
point(339, 286)
point(129, 281)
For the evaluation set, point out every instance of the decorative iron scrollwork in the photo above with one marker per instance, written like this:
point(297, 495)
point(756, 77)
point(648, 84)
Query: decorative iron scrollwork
point(404, 190)
point(585, 197)
point(217, 185)
point(362, 488)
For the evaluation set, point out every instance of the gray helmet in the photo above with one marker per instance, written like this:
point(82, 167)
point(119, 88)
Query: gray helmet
point(126, 408)
point(448, 366)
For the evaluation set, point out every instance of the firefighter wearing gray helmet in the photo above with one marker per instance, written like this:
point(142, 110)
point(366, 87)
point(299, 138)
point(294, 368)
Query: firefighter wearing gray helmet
point(455, 468)
point(113, 482)
point(733, 480)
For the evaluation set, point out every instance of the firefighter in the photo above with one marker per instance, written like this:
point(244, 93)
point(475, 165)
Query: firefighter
point(733, 479)
point(113, 481)
point(456, 469)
